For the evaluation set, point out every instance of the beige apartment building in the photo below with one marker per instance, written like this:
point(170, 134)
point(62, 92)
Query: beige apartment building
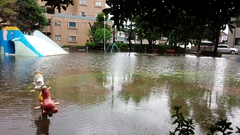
point(70, 27)
point(234, 37)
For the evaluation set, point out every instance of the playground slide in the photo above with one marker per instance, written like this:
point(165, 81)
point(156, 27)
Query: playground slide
point(44, 37)
point(37, 45)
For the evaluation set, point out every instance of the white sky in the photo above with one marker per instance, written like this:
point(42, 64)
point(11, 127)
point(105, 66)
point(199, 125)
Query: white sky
point(226, 30)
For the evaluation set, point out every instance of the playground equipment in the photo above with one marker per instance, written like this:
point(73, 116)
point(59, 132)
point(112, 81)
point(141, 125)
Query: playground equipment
point(47, 105)
point(112, 49)
point(14, 42)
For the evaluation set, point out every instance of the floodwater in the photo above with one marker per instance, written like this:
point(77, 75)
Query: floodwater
point(118, 93)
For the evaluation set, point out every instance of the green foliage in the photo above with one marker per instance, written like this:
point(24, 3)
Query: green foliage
point(6, 10)
point(186, 126)
point(174, 14)
point(238, 130)
point(221, 126)
point(59, 4)
point(91, 44)
point(94, 45)
point(30, 16)
point(122, 46)
point(101, 17)
point(137, 47)
point(179, 20)
point(97, 25)
point(102, 34)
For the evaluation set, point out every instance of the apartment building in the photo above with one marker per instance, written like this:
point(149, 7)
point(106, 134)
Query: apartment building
point(234, 37)
point(70, 27)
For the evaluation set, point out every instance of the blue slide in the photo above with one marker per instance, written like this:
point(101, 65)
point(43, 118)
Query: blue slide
point(14, 42)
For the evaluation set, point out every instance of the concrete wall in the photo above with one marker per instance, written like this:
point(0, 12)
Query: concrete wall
point(202, 48)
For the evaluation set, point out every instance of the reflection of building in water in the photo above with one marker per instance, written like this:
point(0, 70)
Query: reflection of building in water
point(121, 72)
point(42, 124)
point(218, 83)
point(7, 70)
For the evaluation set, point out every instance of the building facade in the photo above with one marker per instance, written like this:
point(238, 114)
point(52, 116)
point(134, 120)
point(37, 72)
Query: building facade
point(234, 36)
point(70, 27)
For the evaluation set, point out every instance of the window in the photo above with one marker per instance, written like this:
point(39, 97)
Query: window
point(238, 23)
point(49, 22)
point(57, 23)
point(98, 3)
point(222, 46)
point(49, 10)
point(48, 34)
point(83, 2)
point(83, 14)
point(72, 38)
point(237, 41)
point(72, 25)
point(57, 37)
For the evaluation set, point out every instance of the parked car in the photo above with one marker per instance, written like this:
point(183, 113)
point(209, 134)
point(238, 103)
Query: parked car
point(224, 48)
point(188, 46)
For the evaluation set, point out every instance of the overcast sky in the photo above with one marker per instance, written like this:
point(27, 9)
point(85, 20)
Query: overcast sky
point(226, 30)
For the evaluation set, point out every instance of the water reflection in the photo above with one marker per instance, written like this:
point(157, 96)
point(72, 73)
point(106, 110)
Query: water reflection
point(7, 68)
point(118, 93)
point(42, 124)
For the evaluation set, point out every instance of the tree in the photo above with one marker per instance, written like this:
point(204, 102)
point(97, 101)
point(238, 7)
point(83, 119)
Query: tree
point(219, 14)
point(6, 10)
point(59, 4)
point(98, 24)
point(29, 16)
point(102, 34)
point(177, 16)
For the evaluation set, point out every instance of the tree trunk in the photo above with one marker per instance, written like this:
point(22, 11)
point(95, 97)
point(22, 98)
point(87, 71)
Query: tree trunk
point(130, 38)
point(91, 30)
point(113, 34)
point(217, 30)
point(150, 43)
point(199, 44)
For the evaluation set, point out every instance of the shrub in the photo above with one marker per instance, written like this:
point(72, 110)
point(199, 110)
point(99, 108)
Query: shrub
point(186, 126)
point(136, 47)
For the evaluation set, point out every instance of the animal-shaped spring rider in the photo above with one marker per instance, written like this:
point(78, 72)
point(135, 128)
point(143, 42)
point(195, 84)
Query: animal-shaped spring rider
point(47, 105)
point(38, 80)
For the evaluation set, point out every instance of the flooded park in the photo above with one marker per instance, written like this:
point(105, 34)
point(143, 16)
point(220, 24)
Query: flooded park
point(118, 93)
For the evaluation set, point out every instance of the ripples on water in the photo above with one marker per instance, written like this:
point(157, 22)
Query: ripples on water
point(117, 93)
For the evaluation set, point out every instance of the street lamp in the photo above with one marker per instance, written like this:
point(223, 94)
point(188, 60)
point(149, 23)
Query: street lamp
point(104, 33)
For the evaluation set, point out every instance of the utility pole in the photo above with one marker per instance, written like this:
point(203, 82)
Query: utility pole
point(104, 34)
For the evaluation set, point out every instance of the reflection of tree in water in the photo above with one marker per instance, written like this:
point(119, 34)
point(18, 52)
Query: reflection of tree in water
point(140, 89)
point(82, 88)
point(197, 102)
point(42, 124)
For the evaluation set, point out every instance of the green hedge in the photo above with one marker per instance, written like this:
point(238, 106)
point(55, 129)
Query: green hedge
point(135, 47)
